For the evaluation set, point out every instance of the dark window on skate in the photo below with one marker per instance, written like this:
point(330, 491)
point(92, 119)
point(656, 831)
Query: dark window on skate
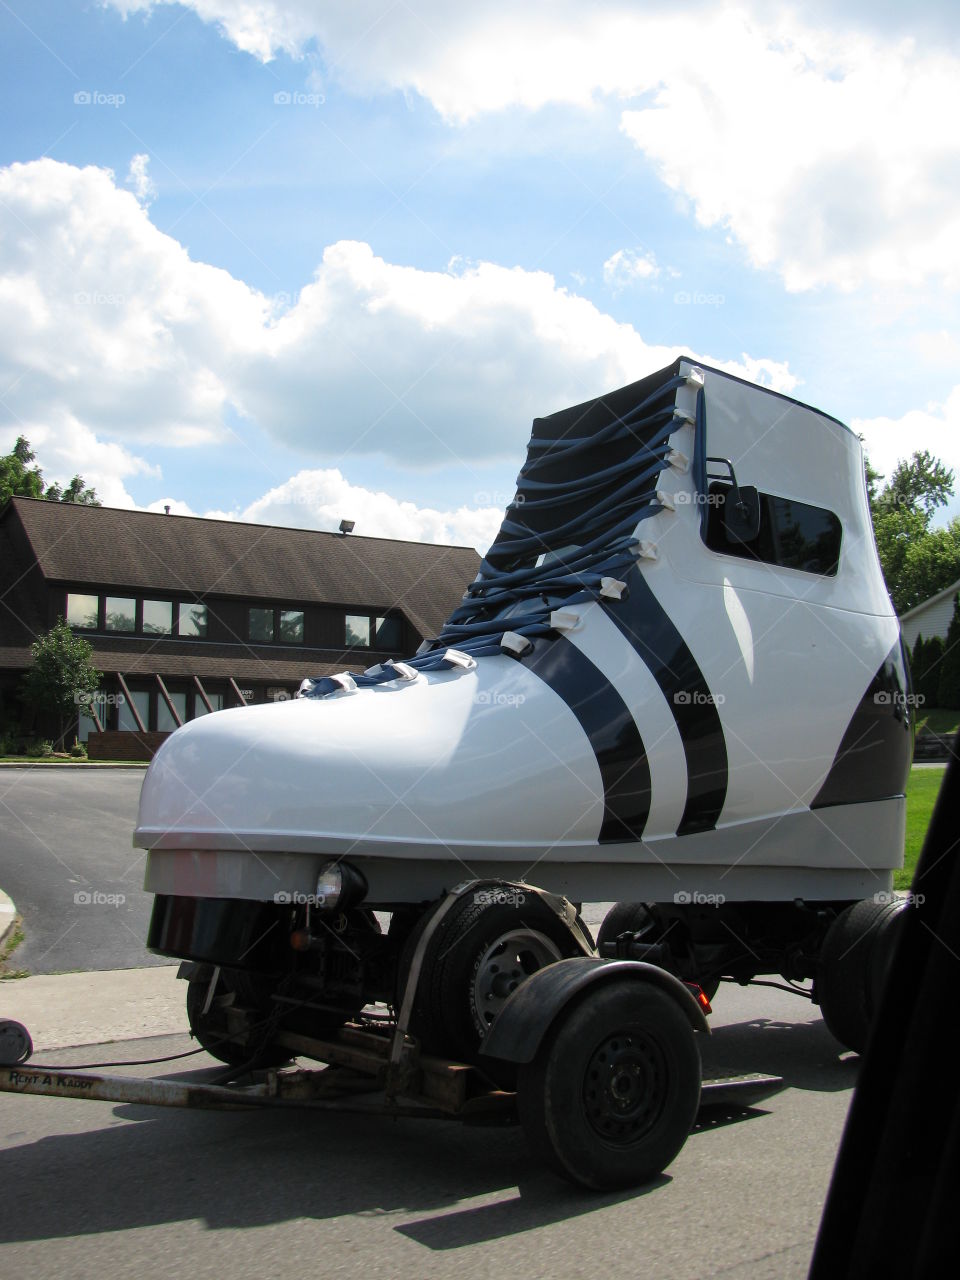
point(793, 535)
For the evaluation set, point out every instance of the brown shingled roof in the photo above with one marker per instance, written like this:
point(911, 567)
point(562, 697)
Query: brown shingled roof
point(217, 662)
point(144, 551)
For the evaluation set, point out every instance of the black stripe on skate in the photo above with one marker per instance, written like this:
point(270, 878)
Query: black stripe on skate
point(606, 720)
point(874, 756)
point(644, 622)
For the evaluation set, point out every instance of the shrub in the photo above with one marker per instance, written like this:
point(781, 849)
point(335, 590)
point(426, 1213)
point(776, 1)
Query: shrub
point(917, 663)
point(61, 677)
point(78, 750)
point(948, 691)
point(928, 686)
point(40, 750)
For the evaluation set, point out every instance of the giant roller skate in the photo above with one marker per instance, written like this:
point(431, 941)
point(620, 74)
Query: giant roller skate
point(677, 682)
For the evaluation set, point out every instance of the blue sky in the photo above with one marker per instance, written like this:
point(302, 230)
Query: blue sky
point(298, 260)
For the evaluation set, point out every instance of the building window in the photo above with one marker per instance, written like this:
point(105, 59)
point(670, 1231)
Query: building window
point(389, 633)
point(157, 617)
point(86, 723)
point(291, 626)
point(260, 626)
point(358, 631)
point(199, 706)
point(83, 611)
point(165, 720)
point(126, 720)
point(120, 614)
point(192, 621)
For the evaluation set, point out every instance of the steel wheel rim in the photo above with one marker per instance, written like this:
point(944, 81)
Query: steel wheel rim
point(625, 1087)
point(504, 965)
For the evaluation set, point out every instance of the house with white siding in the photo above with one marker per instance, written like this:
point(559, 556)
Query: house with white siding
point(929, 618)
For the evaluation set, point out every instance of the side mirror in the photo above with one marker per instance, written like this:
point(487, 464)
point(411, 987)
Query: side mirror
point(741, 513)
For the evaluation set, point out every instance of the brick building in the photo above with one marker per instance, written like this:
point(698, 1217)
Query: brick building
point(187, 616)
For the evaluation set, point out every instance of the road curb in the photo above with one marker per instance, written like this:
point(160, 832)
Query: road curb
point(67, 1010)
point(8, 913)
point(74, 764)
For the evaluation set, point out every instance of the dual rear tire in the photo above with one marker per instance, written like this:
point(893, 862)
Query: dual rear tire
point(854, 962)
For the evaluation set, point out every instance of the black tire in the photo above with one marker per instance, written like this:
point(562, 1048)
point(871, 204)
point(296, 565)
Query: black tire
point(211, 1029)
point(853, 965)
point(644, 918)
point(614, 1089)
point(458, 996)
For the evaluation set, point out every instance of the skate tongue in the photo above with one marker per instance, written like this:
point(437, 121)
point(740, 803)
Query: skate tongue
point(571, 534)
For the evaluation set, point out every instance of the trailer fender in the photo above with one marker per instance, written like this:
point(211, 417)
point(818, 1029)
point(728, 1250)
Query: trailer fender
point(530, 1012)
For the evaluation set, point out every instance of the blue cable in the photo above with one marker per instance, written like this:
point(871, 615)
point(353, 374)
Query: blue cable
point(602, 542)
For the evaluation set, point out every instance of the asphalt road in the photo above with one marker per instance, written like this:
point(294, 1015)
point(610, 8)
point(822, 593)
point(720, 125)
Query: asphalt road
point(108, 1191)
point(97, 1190)
point(67, 861)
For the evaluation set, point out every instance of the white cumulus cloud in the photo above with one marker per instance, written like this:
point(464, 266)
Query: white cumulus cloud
point(138, 177)
point(629, 267)
point(106, 321)
point(319, 499)
point(822, 142)
point(936, 428)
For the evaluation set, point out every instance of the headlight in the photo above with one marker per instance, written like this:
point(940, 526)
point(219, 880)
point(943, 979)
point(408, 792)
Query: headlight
point(340, 887)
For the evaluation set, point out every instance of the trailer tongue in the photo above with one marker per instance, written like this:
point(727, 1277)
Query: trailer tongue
point(359, 1075)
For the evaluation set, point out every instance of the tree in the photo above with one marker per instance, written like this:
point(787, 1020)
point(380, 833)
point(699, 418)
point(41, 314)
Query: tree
point(948, 689)
point(62, 678)
point(917, 561)
point(19, 479)
point(928, 685)
point(16, 475)
point(917, 662)
point(929, 564)
point(923, 484)
point(76, 491)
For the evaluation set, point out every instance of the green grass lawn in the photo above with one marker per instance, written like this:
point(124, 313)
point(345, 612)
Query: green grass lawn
point(922, 792)
point(935, 720)
point(28, 761)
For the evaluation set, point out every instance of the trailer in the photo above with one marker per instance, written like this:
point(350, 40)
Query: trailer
point(597, 1058)
point(637, 1117)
